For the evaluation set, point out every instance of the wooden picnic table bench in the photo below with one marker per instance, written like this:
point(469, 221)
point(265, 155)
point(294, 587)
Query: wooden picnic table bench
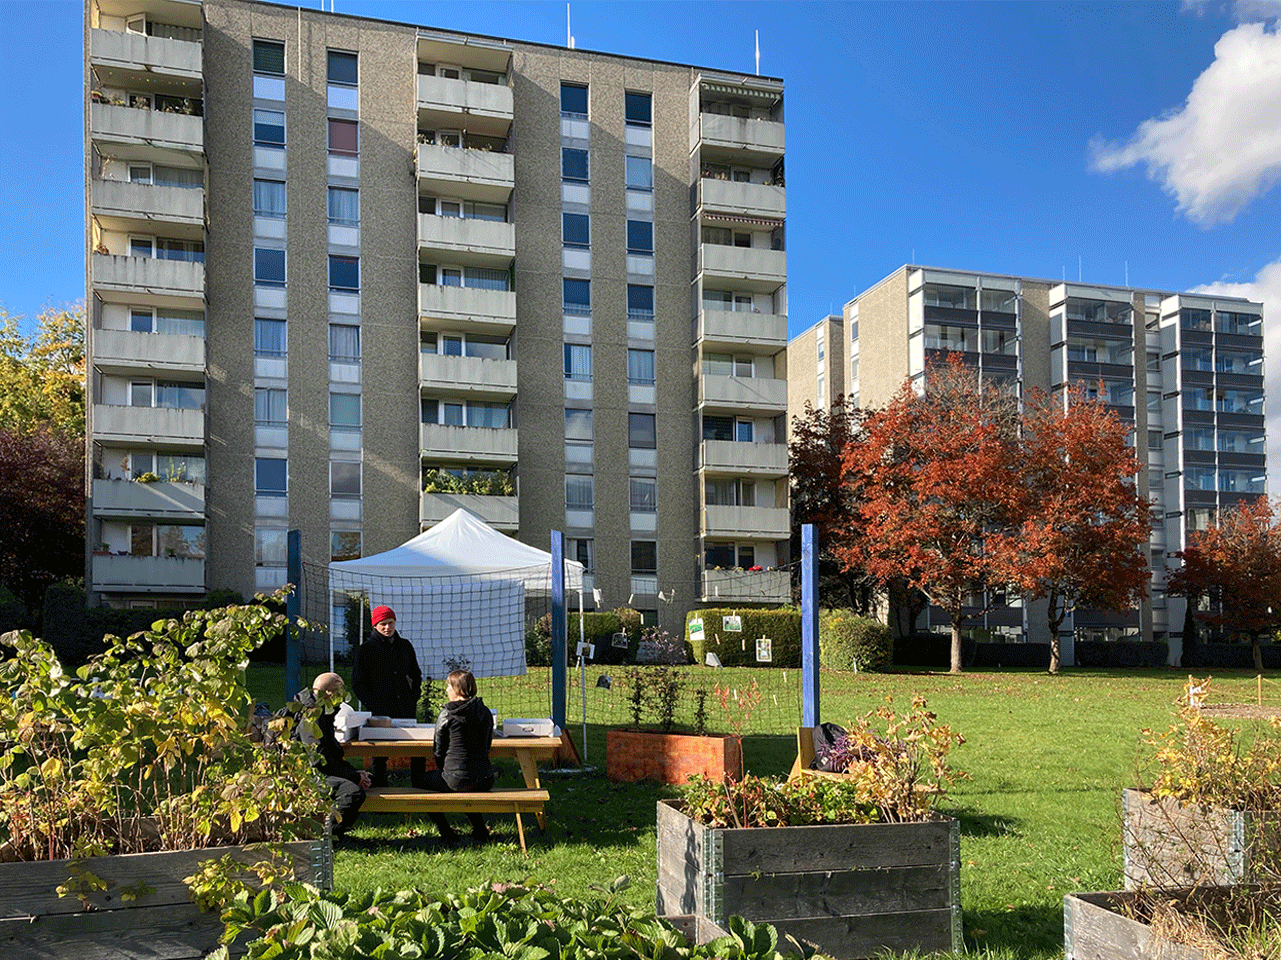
point(515, 800)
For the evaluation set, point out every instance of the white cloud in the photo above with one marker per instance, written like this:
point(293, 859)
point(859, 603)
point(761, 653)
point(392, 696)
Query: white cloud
point(1242, 11)
point(1222, 149)
point(1265, 288)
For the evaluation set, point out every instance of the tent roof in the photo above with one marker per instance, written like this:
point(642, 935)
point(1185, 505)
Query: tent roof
point(460, 545)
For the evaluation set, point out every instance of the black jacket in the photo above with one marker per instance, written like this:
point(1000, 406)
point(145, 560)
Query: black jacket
point(385, 675)
point(329, 756)
point(464, 731)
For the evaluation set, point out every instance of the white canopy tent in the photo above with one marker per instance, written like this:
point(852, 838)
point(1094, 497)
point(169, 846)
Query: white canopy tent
point(458, 590)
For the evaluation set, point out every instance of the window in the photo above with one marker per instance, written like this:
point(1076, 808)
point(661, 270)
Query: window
point(344, 273)
point(344, 411)
point(718, 428)
point(718, 365)
point(729, 493)
point(269, 199)
point(573, 101)
point(269, 57)
point(269, 267)
point(573, 164)
point(578, 426)
point(575, 229)
point(269, 338)
point(578, 361)
point(271, 546)
point(344, 545)
point(186, 251)
point(344, 206)
point(342, 68)
point(949, 297)
point(582, 550)
point(744, 431)
point(644, 497)
point(269, 128)
point(640, 302)
point(718, 555)
point(1155, 440)
point(640, 237)
point(180, 396)
point(818, 344)
point(344, 138)
point(271, 407)
point(1191, 319)
point(169, 320)
point(641, 431)
point(640, 173)
point(638, 109)
point(344, 479)
point(481, 414)
point(644, 557)
point(640, 367)
point(270, 477)
point(578, 492)
point(577, 297)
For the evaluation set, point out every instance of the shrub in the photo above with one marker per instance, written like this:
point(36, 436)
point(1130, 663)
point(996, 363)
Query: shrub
point(598, 628)
point(850, 642)
point(738, 649)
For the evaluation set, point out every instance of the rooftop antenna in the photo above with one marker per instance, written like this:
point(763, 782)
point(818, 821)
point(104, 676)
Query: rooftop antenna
point(1078, 268)
point(569, 35)
point(758, 53)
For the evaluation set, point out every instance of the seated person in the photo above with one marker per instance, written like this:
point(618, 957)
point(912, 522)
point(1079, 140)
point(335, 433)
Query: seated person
point(464, 733)
point(347, 783)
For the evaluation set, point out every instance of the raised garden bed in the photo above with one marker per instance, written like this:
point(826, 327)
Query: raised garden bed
point(634, 755)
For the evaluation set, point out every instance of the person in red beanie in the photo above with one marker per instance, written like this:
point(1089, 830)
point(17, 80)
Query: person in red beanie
point(385, 676)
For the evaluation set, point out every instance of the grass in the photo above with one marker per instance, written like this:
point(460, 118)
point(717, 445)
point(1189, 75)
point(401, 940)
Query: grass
point(1047, 759)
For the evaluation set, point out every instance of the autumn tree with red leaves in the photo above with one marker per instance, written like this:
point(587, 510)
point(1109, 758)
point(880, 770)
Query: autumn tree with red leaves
point(1081, 541)
point(1231, 573)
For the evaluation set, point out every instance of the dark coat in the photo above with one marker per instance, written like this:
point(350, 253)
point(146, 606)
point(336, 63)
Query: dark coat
point(329, 756)
point(385, 675)
point(464, 732)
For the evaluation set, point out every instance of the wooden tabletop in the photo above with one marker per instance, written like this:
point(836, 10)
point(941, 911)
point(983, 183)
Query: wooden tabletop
point(541, 747)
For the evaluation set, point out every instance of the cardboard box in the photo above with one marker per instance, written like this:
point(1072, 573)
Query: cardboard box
point(419, 731)
point(528, 728)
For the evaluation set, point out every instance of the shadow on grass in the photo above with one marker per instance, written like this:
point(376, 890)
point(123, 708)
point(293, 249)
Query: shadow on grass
point(977, 824)
point(1023, 931)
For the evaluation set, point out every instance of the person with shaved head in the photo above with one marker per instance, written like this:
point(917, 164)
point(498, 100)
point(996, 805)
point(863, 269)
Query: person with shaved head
point(347, 783)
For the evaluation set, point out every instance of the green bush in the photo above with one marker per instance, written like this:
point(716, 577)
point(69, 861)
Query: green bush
point(13, 612)
point(781, 625)
point(850, 642)
point(598, 628)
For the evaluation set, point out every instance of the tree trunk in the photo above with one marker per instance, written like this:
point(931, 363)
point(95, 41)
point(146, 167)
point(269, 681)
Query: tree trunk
point(956, 645)
point(1258, 654)
point(1054, 620)
point(1054, 653)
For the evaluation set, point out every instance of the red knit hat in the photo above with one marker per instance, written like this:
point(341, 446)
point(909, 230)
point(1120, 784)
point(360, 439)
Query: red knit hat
point(380, 614)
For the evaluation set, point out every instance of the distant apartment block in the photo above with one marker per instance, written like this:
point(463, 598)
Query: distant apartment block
point(346, 275)
point(1186, 370)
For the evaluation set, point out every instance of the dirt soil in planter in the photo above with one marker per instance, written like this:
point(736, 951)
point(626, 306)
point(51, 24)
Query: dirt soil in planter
point(1242, 711)
point(1219, 921)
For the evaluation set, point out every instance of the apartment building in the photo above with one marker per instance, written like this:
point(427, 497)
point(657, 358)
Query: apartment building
point(1186, 370)
point(346, 275)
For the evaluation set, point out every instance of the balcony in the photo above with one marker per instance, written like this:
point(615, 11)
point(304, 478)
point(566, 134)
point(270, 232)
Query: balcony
point(125, 276)
point(484, 108)
point(475, 376)
point(762, 139)
point(472, 308)
point(749, 268)
point(754, 459)
point(180, 502)
point(759, 394)
point(116, 55)
point(466, 174)
point(737, 329)
point(471, 242)
point(148, 425)
point(147, 204)
point(743, 586)
point(146, 128)
point(115, 574)
point(123, 351)
point(753, 523)
point(501, 513)
point(496, 445)
point(758, 200)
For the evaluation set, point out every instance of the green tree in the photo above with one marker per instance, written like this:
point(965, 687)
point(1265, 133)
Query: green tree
point(42, 375)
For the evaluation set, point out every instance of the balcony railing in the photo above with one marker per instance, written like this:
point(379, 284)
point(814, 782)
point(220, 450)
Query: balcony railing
point(480, 107)
point(755, 523)
point(137, 52)
point(148, 424)
point(759, 137)
point(756, 393)
point(477, 376)
point(147, 128)
point(737, 328)
point(754, 268)
point(761, 200)
point(475, 241)
point(743, 586)
point(133, 275)
point(184, 502)
point(115, 574)
point(488, 175)
point(472, 307)
point(123, 351)
point(501, 513)
point(469, 444)
point(145, 202)
point(756, 459)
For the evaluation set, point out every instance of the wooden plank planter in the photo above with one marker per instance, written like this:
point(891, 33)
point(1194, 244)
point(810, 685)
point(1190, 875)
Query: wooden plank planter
point(1094, 929)
point(161, 924)
point(632, 755)
point(852, 890)
point(1169, 845)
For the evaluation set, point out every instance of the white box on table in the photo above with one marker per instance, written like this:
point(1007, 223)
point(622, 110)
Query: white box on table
point(513, 727)
point(417, 731)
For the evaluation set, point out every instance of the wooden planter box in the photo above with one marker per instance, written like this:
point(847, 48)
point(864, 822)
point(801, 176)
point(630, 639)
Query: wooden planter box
point(632, 755)
point(1093, 929)
point(852, 890)
point(1169, 845)
point(163, 924)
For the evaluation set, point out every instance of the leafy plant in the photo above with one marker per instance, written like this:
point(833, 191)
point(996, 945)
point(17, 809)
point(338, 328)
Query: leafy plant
point(848, 642)
point(491, 483)
point(662, 647)
point(425, 711)
point(755, 801)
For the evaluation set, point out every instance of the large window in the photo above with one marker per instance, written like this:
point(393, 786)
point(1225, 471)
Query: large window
point(269, 128)
point(573, 164)
point(344, 343)
point(573, 100)
point(344, 545)
point(344, 206)
point(578, 361)
point(269, 199)
point(578, 426)
point(344, 273)
point(271, 406)
point(577, 297)
point(641, 431)
point(344, 138)
point(638, 108)
point(342, 68)
point(640, 367)
point(640, 173)
point(271, 477)
point(718, 428)
point(344, 479)
point(582, 550)
point(271, 546)
point(640, 236)
point(269, 338)
point(640, 302)
point(575, 229)
point(269, 267)
point(644, 557)
point(579, 493)
point(269, 57)
point(644, 494)
point(344, 411)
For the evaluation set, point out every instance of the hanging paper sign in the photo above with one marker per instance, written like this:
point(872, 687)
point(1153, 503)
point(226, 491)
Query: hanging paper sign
point(620, 641)
point(732, 624)
point(696, 628)
point(764, 650)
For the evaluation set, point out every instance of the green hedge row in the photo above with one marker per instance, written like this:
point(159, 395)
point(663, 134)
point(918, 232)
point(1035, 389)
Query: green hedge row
point(845, 640)
point(598, 628)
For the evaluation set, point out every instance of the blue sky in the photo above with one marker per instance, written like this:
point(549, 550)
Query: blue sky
point(1047, 139)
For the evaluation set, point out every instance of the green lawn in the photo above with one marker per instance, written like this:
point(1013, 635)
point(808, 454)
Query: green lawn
point(1047, 757)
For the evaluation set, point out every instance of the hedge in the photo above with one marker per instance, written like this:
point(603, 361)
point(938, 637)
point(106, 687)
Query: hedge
point(847, 641)
point(598, 628)
point(738, 649)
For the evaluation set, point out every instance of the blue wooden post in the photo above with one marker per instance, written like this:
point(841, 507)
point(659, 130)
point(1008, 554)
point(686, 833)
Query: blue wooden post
point(809, 628)
point(293, 644)
point(559, 688)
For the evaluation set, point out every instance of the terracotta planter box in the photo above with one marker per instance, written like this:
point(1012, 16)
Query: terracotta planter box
point(1094, 929)
point(632, 755)
point(1169, 845)
point(163, 924)
point(852, 890)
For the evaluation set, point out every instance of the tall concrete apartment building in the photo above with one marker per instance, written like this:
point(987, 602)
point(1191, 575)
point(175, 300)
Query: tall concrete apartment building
point(1185, 369)
point(336, 261)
